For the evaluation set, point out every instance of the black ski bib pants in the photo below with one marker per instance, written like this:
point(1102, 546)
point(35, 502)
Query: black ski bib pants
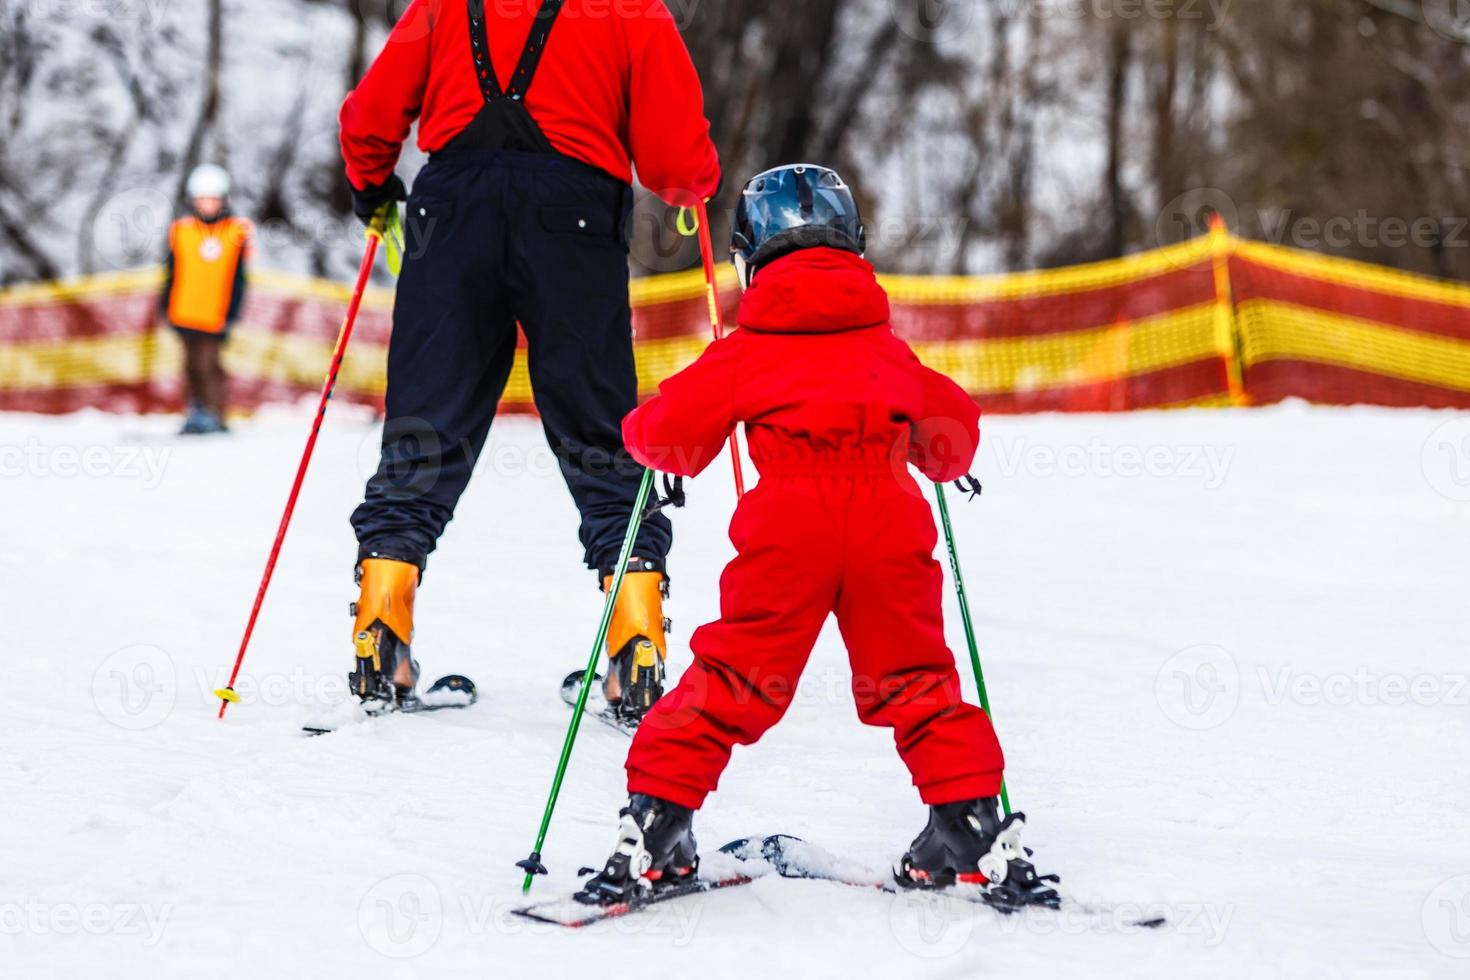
point(500, 229)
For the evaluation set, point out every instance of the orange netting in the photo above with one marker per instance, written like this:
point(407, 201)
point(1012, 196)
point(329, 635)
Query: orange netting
point(1214, 321)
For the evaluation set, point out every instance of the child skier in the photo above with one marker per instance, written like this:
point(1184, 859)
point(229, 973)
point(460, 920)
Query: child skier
point(835, 407)
point(203, 291)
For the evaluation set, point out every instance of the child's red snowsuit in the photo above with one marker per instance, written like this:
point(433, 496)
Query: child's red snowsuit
point(835, 407)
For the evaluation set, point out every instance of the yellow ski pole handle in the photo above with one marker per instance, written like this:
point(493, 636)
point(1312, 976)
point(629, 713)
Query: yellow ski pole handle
point(387, 228)
point(687, 223)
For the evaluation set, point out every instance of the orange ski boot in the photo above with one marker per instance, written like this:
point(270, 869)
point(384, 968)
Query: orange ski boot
point(386, 673)
point(636, 641)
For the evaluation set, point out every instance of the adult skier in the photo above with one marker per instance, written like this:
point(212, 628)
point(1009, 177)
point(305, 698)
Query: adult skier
point(203, 291)
point(534, 118)
point(835, 408)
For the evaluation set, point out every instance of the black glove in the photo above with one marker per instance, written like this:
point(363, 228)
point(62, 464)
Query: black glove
point(366, 203)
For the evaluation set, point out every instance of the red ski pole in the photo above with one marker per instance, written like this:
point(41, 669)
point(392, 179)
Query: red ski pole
point(227, 694)
point(717, 322)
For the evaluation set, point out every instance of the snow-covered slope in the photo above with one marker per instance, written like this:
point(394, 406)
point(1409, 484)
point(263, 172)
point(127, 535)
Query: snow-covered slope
point(1232, 688)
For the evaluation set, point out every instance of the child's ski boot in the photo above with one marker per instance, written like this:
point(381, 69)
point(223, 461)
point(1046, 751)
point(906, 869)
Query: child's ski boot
point(636, 643)
point(967, 843)
point(386, 673)
point(655, 849)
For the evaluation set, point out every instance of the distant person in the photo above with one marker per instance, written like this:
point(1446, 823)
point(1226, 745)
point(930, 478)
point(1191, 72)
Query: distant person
point(203, 291)
point(533, 123)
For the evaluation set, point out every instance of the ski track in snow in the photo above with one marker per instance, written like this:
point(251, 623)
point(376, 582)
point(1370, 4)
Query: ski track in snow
point(1141, 638)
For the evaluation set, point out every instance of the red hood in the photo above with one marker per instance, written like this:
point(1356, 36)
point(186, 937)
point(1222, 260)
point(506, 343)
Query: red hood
point(815, 290)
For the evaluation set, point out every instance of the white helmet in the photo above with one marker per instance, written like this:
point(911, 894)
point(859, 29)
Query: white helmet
point(208, 180)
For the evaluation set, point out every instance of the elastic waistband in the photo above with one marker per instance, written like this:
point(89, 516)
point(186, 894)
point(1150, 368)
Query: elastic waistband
point(542, 162)
point(817, 468)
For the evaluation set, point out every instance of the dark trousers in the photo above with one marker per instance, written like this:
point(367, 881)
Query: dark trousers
point(205, 382)
point(492, 238)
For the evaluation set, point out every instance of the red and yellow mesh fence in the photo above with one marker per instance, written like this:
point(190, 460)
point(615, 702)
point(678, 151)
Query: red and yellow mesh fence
point(1213, 321)
point(1340, 332)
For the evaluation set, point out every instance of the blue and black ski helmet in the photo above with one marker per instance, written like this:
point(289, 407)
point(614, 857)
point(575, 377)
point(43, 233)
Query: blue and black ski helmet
point(794, 207)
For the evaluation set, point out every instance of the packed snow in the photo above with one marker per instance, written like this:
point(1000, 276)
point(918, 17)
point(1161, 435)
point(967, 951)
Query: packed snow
point(1227, 652)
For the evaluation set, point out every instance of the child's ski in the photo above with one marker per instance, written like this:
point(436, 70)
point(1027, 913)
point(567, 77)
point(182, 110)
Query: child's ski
point(452, 693)
point(597, 708)
point(788, 857)
point(573, 914)
point(792, 857)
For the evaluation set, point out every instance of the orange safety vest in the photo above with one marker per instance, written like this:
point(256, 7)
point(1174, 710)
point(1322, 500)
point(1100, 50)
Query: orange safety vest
point(206, 258)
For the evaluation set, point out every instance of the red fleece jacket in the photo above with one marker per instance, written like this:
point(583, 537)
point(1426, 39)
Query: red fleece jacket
point(615, 89)
point(820, 379)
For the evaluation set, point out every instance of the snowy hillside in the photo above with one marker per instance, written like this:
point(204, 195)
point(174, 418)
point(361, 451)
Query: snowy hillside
point(1227, 650)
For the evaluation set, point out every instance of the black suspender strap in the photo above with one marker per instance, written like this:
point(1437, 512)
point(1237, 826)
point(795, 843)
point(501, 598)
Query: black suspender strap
point(535, 47)
point(525, 71)
point(480, 50)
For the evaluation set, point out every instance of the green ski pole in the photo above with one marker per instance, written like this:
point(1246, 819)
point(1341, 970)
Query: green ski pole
point(959, 587)
point(532, 865)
